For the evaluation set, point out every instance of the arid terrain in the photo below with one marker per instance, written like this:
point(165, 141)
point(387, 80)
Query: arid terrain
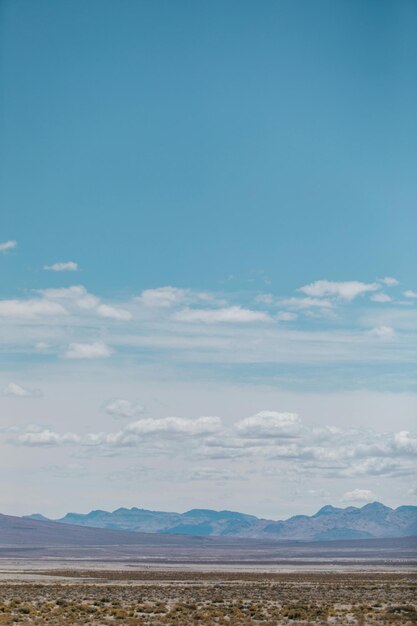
point(52, 574)
point(172, 596)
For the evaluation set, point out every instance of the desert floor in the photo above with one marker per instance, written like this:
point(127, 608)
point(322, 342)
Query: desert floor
point(82, 596)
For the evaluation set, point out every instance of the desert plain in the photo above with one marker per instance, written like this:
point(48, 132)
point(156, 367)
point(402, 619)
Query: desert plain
point(94, 592)
point(174, 597)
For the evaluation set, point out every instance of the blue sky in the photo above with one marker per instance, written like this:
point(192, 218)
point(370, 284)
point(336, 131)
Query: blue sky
point(233, 186)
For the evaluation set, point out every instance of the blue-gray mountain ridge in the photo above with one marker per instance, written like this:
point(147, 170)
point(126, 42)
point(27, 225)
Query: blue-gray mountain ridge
point(374, 520)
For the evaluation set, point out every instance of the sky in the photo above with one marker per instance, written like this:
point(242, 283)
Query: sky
point(208, 286)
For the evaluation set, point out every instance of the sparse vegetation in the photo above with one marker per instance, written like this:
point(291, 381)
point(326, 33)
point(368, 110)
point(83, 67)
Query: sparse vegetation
point(160, 598)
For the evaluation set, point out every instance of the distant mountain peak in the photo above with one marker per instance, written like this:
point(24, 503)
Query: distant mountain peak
point(328, 509)
point(37, 516)
point(376, 506)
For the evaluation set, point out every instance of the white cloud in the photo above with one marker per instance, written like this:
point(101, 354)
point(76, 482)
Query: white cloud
point(123, 408)
point(144, 431)
point(410, 293)
point(156, 430)
point(279, 440)
point(347, 290)
point(381, 297)
point(383, 332)
point(170, 297)
point(68, 266)
point(64, 293)
point(307, 303)
point(180, 425)
point(30, 309)
point(395, 445)
point(115, 313)
point(5, 246)
point(79, 296)
point(358, 495)
point(76, 294)
point(96, 350)
point(405, 442)
point(389, 281)
point(162, 297)
point(17, 391)
point(45, 438)
point(270, 424)
point(233, 314)
point(379, 467)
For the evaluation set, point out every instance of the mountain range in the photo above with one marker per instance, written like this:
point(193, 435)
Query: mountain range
point(43, 541)
point(374, 520)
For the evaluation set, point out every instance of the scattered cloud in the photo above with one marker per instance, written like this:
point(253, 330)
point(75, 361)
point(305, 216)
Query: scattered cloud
point(270, 424)
point(410, 293)
point(45, 438)
point(95, 350)
point(199, 327)
point(346, 290)
point(381, 297)
point(30, 309)
point(307, 303)
point(78, 296)
point(155, 431)
point(383, 332)
point(180, 425)
point(162, 297)
point(123, 408)
point(134, 434)
point(68, 266)
point(171, 297)
point(233, 314)
point(395, 445)
point(112, 312)
point(17, 391)
point(389, 281)
point(379, 467)
point(358, 495)
point(5, 246)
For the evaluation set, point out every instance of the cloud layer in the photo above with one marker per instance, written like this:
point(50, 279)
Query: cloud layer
point(333, 324)
point(277, 439)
